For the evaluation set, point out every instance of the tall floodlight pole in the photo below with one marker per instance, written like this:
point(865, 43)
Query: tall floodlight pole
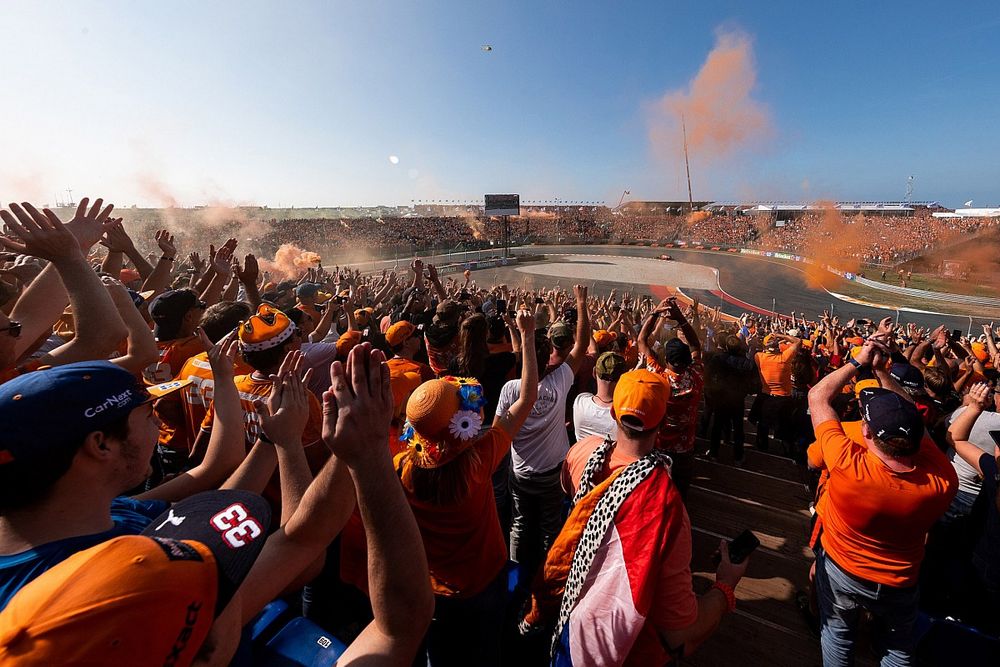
point(624, 192)
point(909, 189)
point(687, 165)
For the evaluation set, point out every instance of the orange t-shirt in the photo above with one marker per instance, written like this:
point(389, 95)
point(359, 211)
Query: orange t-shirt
point(252, 389)
point(675, 605)
point(875, 520)
point(173, 354)
point(465, 546)
point(776, 371)
point(193, 400)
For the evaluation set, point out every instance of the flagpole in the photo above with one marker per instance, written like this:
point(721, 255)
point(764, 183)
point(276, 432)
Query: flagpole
point(687, 165)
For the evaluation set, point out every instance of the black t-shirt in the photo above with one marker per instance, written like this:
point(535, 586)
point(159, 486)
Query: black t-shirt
point(987, 551)
point(498, 370)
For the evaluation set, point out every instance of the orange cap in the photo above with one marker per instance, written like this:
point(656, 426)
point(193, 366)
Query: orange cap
point(128, 275)
point(399, 332)
point(640, 399)
point(861, 385)
point(123, 599)
point(979, 350)
point(604, 337)
point(347, 341)
point(267, 328)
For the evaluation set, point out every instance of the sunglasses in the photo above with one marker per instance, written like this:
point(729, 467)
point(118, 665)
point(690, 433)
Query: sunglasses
point(13, 329)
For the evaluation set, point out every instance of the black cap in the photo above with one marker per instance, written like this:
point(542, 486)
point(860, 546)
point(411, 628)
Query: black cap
point(907, 375)
point(168, 308)
point(233, 524)
point(677, 353)
point(889, 415)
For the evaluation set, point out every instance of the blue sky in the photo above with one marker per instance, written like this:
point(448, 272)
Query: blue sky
point(302, 103)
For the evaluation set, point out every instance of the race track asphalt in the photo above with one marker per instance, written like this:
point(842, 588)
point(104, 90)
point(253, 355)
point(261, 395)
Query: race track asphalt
point(754, 281)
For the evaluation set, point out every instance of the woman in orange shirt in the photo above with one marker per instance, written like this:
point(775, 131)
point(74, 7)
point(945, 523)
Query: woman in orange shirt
point(446, 470)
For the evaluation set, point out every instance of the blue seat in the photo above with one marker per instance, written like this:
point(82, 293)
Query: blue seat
point(266, 622)
point(300, 643)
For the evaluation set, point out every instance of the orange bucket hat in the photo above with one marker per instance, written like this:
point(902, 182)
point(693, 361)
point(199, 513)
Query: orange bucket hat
point(268, 328)
point(443, 418)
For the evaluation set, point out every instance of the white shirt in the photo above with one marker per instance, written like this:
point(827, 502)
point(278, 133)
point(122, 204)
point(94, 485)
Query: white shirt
point(592, 418)
point(542, 442)
point(968, 478)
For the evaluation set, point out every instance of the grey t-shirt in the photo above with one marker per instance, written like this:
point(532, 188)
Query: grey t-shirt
point(968, 478)
point(542, 443)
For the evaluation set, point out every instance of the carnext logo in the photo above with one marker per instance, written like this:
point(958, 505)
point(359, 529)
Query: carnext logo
point(109, 402)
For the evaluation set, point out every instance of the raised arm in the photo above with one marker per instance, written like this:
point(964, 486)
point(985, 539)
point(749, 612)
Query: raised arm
point(821, 396)
point(118, 242)
point(225, 449)
point(981, 396)
point(159, 279)
point(141, 350)
point(44, 300)
point(512, 421)
point(583, 333)
point(99, 329)
point(248, 274)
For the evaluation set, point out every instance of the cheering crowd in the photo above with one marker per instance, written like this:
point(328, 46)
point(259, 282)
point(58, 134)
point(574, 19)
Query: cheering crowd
point(187, 441)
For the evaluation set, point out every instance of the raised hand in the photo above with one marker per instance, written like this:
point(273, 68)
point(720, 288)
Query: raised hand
point(116, 239)
point(89, 226)
point(885, 326)
point(249, 272)
point(223, 261)
point(197, 263)
point(40, 234)
point(982, 395)
point(283, 417)
point(525, 323)
point(165, 240)
point(580, 292)
point(358, 406)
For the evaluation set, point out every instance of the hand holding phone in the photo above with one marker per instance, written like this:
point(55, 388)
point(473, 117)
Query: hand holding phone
point(731, 559)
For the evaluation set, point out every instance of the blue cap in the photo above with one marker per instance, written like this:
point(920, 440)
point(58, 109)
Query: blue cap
point(889, 415)
point(307, 289)
point(56, 408)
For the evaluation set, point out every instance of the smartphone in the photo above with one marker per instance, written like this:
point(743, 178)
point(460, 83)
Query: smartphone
point(996, 437)
point(956, 334)
point(501, 305)
point(741, 548)
point(539, 300)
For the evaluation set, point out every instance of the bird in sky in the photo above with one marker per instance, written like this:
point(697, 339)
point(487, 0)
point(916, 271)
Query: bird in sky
point(487, 48)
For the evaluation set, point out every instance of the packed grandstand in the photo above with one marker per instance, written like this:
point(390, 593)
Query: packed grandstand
point(876, 233)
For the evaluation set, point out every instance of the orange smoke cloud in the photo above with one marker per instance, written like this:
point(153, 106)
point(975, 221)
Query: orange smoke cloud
point(835, 242)
point(157, 190)
point(720, 115)
point(697, 216)
point(290, 262)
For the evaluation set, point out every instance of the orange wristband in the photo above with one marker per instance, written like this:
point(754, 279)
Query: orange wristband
point(730, 594)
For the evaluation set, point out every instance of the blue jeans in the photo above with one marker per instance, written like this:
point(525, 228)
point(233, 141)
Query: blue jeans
point(841, 598)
